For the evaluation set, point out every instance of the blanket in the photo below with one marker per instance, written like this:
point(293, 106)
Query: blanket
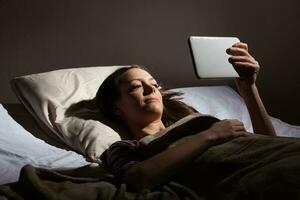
point(39, 184)
point(253, 167)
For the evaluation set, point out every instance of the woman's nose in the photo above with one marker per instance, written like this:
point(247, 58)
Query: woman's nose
point(148, 89)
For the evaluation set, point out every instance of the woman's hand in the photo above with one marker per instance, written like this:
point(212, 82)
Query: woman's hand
point(247, 67)
point(244, 64)
point(225, 130)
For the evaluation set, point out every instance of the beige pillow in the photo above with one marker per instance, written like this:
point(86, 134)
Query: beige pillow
point(48, 95)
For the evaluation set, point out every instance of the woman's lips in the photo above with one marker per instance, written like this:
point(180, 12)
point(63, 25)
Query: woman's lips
point(151, 100)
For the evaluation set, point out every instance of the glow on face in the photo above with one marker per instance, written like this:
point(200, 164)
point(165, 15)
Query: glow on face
point(140, 96)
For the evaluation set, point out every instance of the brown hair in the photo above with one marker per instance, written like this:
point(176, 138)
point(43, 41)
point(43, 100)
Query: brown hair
point(108, 93)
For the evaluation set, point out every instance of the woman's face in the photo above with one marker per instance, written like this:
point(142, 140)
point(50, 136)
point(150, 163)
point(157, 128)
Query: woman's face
point(140, 100)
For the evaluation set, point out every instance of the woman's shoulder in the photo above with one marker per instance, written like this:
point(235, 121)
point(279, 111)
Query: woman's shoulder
point(119, 148)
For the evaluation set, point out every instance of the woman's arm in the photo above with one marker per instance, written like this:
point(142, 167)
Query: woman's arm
point(259, 117)
point(164, 165)
point(189, 125)
point(248, 68)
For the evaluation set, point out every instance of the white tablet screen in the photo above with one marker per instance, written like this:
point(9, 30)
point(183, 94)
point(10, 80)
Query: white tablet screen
point(210, 57)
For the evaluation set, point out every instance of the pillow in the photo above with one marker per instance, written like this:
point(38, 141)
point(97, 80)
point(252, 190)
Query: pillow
point(48, 95)
point(225, 103)
point(219, 101)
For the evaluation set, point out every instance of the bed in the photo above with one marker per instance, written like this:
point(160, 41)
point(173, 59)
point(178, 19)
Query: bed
point(37, 132)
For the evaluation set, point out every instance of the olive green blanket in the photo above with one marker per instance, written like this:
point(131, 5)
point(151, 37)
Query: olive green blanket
point(42, 184)
point(254, 167)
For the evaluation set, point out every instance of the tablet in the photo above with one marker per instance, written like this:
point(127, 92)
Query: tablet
point(209, 56)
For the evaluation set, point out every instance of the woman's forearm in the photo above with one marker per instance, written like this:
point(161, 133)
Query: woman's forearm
point(189, 125)
point(259, 117)
point(162, 166)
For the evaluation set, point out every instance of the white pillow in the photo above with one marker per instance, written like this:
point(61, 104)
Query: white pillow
point(219, 101)
point(225, 103)
point(47, 96)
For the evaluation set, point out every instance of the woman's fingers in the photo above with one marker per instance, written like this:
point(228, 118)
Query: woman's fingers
point(241, 45)
point(235, 124)
point(226, 130)
point(237, 127)
point(241, 67)
point(244, 61)
point(236, 51)
point(232, 59)
point(232, 121)
point(246, 65)
point(240, 134)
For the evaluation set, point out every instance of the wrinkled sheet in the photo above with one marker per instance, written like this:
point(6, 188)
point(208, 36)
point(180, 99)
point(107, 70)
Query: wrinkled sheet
point(18, 147)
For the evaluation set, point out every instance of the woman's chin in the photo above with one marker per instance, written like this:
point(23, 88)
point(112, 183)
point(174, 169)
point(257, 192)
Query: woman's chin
point(153, 107)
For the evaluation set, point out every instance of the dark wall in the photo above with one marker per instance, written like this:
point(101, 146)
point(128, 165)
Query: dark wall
point(43, 35)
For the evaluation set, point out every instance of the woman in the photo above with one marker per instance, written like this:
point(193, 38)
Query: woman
point(133, 97)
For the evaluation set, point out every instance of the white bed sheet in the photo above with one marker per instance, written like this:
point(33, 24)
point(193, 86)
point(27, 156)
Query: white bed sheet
point(18, 148)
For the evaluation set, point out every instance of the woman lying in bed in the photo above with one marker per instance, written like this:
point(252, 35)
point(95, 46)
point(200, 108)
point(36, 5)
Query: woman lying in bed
point(133, 97)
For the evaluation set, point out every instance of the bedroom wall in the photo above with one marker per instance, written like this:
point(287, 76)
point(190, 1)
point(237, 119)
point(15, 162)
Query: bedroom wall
point(38, 36)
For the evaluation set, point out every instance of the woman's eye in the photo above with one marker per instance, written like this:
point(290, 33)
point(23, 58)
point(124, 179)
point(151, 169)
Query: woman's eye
point(156, 85)
point(132, 87)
